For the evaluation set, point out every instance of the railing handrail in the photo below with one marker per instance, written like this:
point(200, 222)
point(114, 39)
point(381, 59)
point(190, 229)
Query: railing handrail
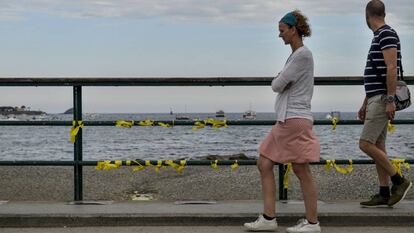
point(173, 81)
point(185, 122)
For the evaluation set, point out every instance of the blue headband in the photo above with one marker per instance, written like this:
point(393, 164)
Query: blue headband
point(289, 19)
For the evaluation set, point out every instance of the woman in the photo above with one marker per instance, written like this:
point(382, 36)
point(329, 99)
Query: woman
point(291, 139)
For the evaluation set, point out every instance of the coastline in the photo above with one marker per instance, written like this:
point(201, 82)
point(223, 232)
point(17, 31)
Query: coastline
point(28, 183)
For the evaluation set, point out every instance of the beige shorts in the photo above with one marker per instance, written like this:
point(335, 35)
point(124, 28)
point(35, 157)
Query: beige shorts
point(376, 121)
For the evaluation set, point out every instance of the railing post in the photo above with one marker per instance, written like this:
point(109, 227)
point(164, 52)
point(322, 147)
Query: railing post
point(282, 191)
point(77, 116)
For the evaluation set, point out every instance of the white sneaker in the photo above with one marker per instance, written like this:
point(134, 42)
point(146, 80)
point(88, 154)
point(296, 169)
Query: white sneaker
point(304, 226)
point(261, 224)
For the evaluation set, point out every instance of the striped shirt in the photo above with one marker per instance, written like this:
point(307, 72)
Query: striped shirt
point(384, 38)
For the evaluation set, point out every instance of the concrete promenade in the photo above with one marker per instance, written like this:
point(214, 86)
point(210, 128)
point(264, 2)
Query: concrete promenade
point(222, 213)
point(197, 229)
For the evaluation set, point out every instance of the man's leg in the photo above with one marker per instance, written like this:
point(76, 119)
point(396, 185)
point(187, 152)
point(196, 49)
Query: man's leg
point(379, 156)
point(383, 177)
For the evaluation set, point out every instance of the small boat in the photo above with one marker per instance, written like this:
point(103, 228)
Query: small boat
point(220, 113)
point(182, 118)
point(249, 115)
point(333, 114)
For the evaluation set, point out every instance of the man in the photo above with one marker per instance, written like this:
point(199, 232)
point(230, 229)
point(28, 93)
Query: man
point(380, 81)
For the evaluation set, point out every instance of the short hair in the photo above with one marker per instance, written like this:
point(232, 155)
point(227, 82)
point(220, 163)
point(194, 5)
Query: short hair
point(302, 25)
point(375, 8)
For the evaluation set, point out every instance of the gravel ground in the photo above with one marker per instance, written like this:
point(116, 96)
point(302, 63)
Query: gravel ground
point(28, 183)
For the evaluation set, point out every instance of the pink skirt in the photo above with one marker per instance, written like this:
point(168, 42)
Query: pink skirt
point(292, 141)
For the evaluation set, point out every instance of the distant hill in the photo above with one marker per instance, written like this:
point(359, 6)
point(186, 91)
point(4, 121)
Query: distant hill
point(69, 111)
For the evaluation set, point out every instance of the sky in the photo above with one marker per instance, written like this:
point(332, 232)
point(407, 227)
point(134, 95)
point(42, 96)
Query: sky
point(183, 38)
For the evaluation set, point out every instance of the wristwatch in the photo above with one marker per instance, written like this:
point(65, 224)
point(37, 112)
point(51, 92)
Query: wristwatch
point(390, 99)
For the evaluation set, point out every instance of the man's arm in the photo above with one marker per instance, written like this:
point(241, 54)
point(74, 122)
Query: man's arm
point(390, 59)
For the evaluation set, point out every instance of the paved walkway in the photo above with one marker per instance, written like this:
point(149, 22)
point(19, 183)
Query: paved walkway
point(192, 229)
point(229, 213)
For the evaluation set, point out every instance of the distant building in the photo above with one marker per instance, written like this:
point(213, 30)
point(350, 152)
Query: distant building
point(7, 109)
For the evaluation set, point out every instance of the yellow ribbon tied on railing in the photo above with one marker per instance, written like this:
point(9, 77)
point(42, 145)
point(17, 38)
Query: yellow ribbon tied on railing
point(214, 164)
point(139, 166)
point(166, 125)
point(346, 170)
point(397, 163)
point(107, 165)
point(76, 125)
point(235, 165)
point(158, 166)
point(178, 167)
point(146, 123)
point(216, 123)
point(390, 127)
point(125, 124)
point(198, 125)
point(331, 163)
point(335, 121)
point(286, 175)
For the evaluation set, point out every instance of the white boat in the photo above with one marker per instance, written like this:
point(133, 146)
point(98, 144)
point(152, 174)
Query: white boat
point(249, 115)
point(333, 114)
point(182, 117)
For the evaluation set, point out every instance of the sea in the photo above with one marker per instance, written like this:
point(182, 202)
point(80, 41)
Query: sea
point(181, 142)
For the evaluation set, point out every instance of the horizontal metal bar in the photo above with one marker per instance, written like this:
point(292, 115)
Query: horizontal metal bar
point(174, 81)
point(181, 123)
point(155, 162)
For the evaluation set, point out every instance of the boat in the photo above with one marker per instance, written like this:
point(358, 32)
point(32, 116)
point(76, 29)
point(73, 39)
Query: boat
point(249, 115)
point(182, 117)
point(220, 113)
point(334, 114)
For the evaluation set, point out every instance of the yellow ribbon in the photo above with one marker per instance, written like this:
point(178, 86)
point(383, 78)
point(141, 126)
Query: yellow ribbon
point(346, 170)
point(286, 176)
point(216, 123)
point(146, 123)
point(397, 163)
point(139, 167)
point(107, 165)
point(125, 124)
point(198, 125)
point(331, 163)
point(235, 165)
point(164, 125)
point(178, 167)
point(335, 121)
point(390, 127)
point(214, 164)
point(158, 166)
point(76, 125)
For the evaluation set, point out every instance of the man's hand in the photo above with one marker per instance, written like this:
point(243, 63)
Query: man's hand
point(390, 109)
point(362, 111)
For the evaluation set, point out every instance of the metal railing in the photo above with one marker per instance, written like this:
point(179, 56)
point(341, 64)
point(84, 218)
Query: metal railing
point(78, 83)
